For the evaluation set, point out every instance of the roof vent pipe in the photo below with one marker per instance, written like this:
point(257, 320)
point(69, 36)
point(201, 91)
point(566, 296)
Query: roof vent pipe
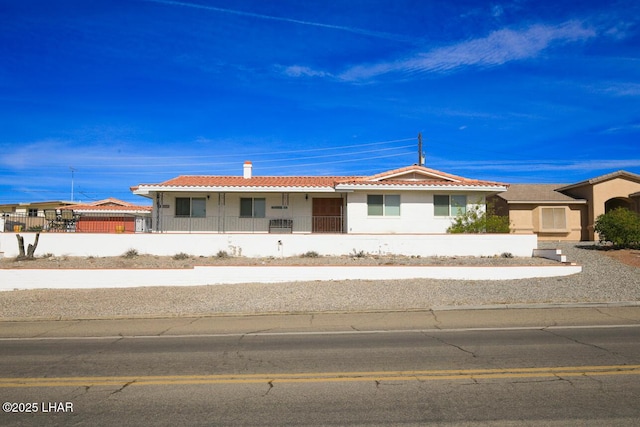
point(247, 169)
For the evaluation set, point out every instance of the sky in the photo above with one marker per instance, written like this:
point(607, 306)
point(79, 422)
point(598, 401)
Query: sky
point(98, 96)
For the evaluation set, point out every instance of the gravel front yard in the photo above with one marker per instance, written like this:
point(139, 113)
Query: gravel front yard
point(604, 279)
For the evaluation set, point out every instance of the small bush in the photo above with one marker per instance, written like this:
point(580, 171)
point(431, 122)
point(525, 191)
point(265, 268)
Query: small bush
point(506, 255)
point(478, 220)
point(310, 254)
point(130, 254)
point(620, 226)
point(358, 254)
point(222, 254)
point(181, 256)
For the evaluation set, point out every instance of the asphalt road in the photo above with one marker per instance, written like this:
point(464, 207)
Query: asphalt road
point(486, 367)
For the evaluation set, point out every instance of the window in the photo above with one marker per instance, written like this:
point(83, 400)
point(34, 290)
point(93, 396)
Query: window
point(191, 207)
point(553, 218)
point(449, 205)
point(383, 205)
point(252, 208)
point(33, 212)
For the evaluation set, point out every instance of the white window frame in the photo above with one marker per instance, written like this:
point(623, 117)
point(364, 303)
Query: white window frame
point(454, 209)
point(194, 212)
point(255, 212)
point(390, 205)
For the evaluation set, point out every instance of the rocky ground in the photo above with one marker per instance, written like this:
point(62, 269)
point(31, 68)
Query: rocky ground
point(142, 261)
point(135, 260)
point(608, 276)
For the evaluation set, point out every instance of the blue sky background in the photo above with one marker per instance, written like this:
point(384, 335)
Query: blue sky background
point(126, 92)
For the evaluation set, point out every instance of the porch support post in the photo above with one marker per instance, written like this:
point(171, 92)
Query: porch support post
point(221, 213)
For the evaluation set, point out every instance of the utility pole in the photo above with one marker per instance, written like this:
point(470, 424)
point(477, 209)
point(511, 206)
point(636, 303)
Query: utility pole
point(72, 177)
point(420, 153)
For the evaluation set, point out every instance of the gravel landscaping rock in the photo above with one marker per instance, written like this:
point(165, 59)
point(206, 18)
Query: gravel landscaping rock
point(604, 279)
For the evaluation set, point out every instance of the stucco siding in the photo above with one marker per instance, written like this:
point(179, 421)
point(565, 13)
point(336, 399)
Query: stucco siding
point(527, 219)
point(416, 214)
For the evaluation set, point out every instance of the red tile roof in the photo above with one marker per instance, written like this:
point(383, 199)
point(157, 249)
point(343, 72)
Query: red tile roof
point(416, 176)
point(92, 208)
point(424, 183)
point(108, 205)
point(261, 181)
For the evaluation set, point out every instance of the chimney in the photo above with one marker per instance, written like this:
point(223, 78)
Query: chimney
point(247, 169)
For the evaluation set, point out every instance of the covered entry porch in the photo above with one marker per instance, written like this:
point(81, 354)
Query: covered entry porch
point(268, 213)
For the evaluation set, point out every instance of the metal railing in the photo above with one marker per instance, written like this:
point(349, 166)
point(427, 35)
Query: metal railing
point(105, 222)
point(236, 224)
point(73, 222)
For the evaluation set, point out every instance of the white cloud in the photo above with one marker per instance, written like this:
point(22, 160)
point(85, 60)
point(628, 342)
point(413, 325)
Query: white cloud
point(497, 11)
point(622, 129)
point(495, 49)
point(540, 165)
point(301, 71)
point(623, 89)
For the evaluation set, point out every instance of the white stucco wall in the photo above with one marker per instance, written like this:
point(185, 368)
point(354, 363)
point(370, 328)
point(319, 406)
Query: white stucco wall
point(416, 214)
point(275, 245)
point(11, 279)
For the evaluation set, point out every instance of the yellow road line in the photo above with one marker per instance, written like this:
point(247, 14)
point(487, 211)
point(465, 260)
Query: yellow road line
point(316, 377)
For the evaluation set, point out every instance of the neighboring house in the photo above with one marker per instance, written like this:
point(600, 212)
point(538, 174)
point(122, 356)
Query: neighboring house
point(27, 216)
point(567, 212)
point(106, 216)
point(413, 199)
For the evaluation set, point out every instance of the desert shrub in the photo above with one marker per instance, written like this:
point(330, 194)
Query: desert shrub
point(310, 254)
point(222, 254)
point(620, 226)
point(506, 255)
point(181, 256)
point(131, 253)
point(358, 254)
point(478, 220)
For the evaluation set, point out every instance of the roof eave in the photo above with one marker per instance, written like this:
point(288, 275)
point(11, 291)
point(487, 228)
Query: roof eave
point(114, 211)
point(547, 202)
point(453, 187)
point(146, 190)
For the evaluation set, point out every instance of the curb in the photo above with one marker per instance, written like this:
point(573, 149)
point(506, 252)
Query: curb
point(534, 306)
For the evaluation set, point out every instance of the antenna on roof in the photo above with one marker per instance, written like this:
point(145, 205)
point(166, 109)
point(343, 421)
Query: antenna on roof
point(420, 152)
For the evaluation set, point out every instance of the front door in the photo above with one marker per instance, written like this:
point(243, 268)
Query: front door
point(327, 215)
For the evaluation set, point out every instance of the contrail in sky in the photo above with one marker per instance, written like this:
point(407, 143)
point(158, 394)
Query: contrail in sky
point(363, 32)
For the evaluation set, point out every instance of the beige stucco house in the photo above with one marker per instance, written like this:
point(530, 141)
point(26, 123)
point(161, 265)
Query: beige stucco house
point(567, 212)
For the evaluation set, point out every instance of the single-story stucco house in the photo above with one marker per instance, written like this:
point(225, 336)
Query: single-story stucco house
point(27, 216)
point(567, 211)
point(412, 199)
point(108, 216)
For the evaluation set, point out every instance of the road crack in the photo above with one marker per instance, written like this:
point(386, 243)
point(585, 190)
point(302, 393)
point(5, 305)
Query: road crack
point(574, 340)
point(440, 340)
point(270, 384)
point(435, 318)
point(122, 388)
point(175, 326)
point(68, 325)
